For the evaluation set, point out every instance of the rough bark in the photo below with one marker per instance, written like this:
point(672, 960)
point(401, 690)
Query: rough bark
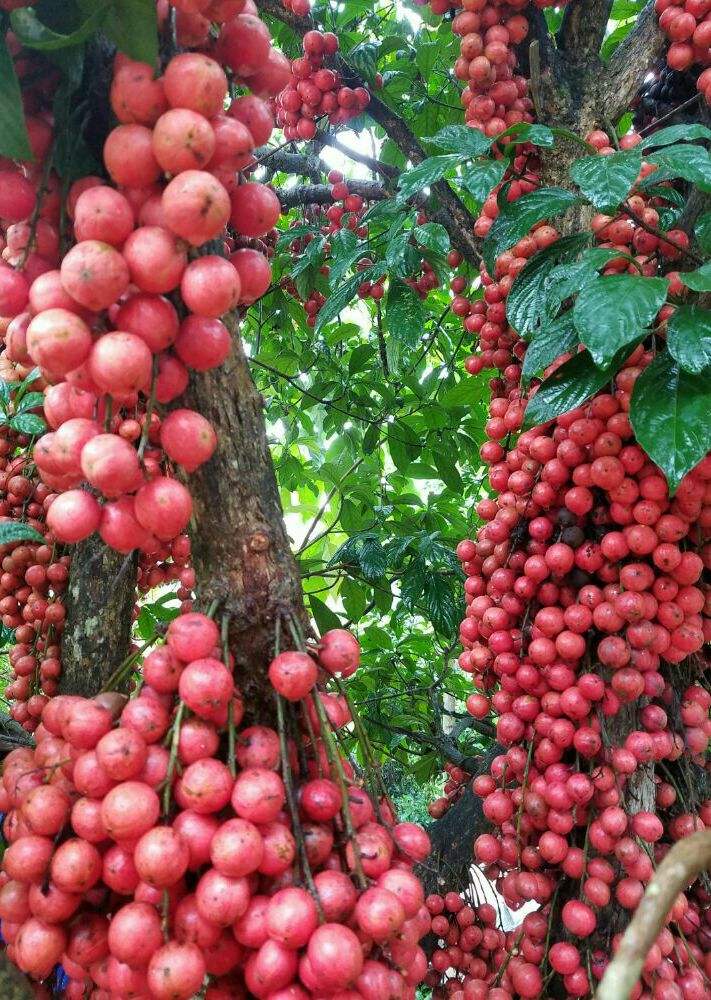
point(99, 602)
point(630, 62)
point(320, 194)
point(241, 550)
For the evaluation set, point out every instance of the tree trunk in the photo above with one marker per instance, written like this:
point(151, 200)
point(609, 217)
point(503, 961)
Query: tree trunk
point(241, 550)
point(99, 601)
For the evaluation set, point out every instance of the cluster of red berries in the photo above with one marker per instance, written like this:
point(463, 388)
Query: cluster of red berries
point(687, 23)
point(144, 857)
point(132, 248)
point(316, 92)
point(454, 787)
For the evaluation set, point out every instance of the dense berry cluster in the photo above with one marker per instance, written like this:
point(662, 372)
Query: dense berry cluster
point(317, 92)
point(145, 854)
point(688, 27)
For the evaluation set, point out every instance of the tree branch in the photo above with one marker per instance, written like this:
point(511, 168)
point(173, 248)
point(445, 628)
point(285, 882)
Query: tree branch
point(452, 213)
point(320, 194)
point(629, 64)
point(386, 169)
point(687, 859)
point(583, 29)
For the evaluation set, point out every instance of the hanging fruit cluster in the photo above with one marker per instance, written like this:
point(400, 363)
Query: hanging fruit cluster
point(584, 595)
point(688, 27)
point(317, 92)
point(151, 846)
point(454, 787)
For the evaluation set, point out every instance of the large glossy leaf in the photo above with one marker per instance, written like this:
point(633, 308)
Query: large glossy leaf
point(568, 387)
point(432, 236)
point(676, 133)
point(14, 141)
point(526, 302)
point(669, 413)
point(462, 140)
point(517, 218)
point(425, 174)
point(689, 338)
point(483, 176)
point(699, 280)
point(340, 297)
point(693, 163)
point(553, 339)
point(606, 180)
point(613, 311)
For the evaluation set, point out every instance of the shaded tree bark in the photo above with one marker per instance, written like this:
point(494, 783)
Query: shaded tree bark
point(99, 601)
point(241, 550)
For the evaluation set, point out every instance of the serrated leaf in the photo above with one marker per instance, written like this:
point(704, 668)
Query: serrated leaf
point(323, 616)
point(606, 180)
point(702, 232)
point(613, 311)
point(30, 401)
point(569, 386)
point(676, 133)
point(28, 423)
point(404, 314)
point(14, 141)
point(372, 557)
point(526, 301)
point(690, 162)
point(552, 340)
point(518, 217)
point(133, 26)
point(669, 413)
point(699, 280)
point(689, 338)
point(32, 33)
point(432, 236)
point(483, 177)
point(462, 140)
point(16, 531)
point(425, 174)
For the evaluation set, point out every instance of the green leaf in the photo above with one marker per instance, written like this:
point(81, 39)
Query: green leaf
point(432, 236)
point(699, 280)
point(446, 466)
point(31, 401)
point(612, 312)
point(28, 423)
point(676, 133)
point(468, 392)
point(404, 313)
point(517, 218)
point(323, 616)
point(462, 140)
point(526, 302)
point(615, 38)
point(569, 386)
point(606, 180)
point(690, 162)
point(552, 340)
point(133, 26)
point(365, 59)
point(16, 531)
point(345, 249)
point(669, 413)
point(442, 606)
point(483, 176)
point(702, 231)
point(14, 141)
point(689, 338)
point(370, 439)
point(537, 135)
point(340, 297)
point(35, 35)
point(425, 174)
